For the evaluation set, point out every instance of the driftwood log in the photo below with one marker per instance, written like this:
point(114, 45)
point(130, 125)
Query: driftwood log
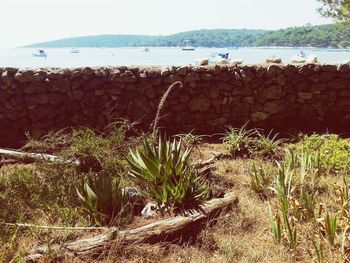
point(155, 230)
point(210, 161)
point(32, 157)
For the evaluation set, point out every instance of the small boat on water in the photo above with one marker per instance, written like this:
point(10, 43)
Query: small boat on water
point(74, 51)
point(215, 57)
point(40, 53)
point(220, 55)
point(299, 58)
point(187, 47)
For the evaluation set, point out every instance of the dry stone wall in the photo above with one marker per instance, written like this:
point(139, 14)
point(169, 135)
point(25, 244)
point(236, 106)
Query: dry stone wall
point(284, 97)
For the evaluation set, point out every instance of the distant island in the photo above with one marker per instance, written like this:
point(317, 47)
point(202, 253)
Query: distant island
point(314, 36)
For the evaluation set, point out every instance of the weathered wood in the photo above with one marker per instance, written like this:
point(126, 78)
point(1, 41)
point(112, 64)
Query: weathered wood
point(158, 229)
point(215, 157)
point(32, 157)
point(63, 228)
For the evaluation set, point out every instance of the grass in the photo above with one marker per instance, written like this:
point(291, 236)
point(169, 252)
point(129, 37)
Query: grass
point(253, 143)
point(294, 206)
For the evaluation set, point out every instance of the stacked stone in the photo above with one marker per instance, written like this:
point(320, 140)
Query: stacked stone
point(308, 96)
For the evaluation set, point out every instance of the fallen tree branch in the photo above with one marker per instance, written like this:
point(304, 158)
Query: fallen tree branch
point(32, 157)
point(158, 229)
point(216, 156)
point(24, 225)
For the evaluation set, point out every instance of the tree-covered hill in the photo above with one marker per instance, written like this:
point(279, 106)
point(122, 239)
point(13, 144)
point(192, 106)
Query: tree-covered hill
point(316, 36)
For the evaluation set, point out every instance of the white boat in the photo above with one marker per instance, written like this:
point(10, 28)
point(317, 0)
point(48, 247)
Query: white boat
point(40, 53)
point(75, 51)
point(215, 57)
point(299, 58)
point(187, 47)
point(218, 58)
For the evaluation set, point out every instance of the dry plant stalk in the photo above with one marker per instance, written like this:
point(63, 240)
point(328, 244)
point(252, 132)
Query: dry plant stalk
point(161, 106)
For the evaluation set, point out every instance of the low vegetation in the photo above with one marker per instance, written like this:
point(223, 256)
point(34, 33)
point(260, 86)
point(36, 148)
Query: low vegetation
point(294, 195)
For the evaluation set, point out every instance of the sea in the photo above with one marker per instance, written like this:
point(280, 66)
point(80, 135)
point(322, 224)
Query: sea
point(95, 57)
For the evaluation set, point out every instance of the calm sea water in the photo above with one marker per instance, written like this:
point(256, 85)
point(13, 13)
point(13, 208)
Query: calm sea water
point(61, 57)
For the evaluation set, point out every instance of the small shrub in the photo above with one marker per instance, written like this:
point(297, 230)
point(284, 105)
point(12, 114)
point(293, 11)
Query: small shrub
point(276, 225)
point(260, 181)
point(190, 139)
point(268, 146)
point(333, 151)
point(98, 152)
point(165, 175)
point(248, 143)
point(240, 142)
point(331, 226)
point(308, 202)
point(51, 143)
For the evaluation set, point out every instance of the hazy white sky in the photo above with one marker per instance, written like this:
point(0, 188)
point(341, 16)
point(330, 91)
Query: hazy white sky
point(29, 21)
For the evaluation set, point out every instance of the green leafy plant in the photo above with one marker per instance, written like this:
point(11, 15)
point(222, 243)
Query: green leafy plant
point(190, 139)
point(98, 152)
point(291, 231)
point(105, 201)
point(268, 146)
point(240, 142)
point(259, 180)
point(345, 193)
point(165, 176)
point(52, 142)
point(276, 226)
point(319, 251)
point(331, 226)
point(308, 202)
point(331, 152)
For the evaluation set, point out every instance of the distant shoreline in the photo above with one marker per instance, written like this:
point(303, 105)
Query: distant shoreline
point(322, 36)
point(179, 47)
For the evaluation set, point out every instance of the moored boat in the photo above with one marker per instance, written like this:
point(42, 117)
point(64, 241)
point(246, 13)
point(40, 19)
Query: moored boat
point(187, 47)
point(215, 57)
point(40, 53)
point(74, 51)
point(299, 58)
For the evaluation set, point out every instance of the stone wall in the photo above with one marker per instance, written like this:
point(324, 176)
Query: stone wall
point(284, 97)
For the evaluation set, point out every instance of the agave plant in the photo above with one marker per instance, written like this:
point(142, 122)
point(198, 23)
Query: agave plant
point(165, 176)
point(105, 201)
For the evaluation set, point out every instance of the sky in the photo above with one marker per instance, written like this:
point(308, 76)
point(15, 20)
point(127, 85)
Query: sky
point(30, 21)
